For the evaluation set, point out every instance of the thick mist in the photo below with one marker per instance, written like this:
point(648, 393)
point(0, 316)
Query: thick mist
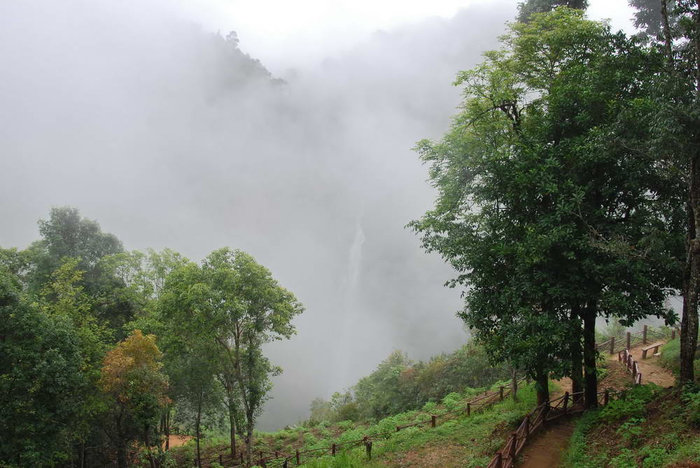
point(170, 136)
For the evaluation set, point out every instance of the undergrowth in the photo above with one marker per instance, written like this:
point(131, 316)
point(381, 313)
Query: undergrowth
point(647, 428)
point(472, 441)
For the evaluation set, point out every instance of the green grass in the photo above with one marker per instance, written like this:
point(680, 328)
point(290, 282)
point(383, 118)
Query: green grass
point(651, 427)
point(472, 441)
point(670, 358)
point(478, 436)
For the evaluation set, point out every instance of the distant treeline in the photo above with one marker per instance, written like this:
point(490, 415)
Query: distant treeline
point(399, 384)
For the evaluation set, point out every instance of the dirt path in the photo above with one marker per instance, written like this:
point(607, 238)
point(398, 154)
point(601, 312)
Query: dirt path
point(651, 369)
point(549, 446)
point(547, 449)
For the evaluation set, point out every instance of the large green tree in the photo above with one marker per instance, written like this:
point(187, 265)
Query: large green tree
point(42, 381)
point(674, 29)
point(136, 391)
point(234, 304)
point(546, 206)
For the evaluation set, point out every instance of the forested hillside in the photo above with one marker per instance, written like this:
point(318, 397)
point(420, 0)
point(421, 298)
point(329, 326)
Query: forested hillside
point(104, 350)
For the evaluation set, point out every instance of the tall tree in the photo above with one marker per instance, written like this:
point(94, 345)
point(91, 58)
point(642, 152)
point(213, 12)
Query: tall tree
point(235, 305)
point(131, 376)
point(675, 26)
point(65, 234)
point(250, 309)
point(42, 381)
point(545, 207)
point(529, 7)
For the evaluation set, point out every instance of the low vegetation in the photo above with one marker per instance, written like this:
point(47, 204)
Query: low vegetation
point(645, 429)
point(467, 441)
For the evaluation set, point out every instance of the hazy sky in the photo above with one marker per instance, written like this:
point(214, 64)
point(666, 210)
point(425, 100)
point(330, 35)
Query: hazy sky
point(138, 115)
point(289, 34)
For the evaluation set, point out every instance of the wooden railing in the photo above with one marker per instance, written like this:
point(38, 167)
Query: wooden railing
point(286, 459)
point(632, 366)
point(537, 419)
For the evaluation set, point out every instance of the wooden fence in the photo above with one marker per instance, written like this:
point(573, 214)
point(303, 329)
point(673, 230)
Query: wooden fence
point(632, 366)
point(537, 419)
point(285, 460)
point(548, 411)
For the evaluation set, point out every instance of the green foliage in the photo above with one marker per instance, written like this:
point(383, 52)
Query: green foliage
point(529, 178)
point(691, 403)
point(530, 7)
point(632, 405)
point(398, 384)
point(670, 357)
point(651, 431)
point(630, 430)
point(42, 382)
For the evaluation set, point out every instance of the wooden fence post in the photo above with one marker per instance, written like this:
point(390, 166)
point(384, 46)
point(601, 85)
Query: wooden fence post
point(499, 460)
point(629, 339)
point(644, 335)
point(298, 458)
point(433, 420)
point(612, 345)
point(398, 428)
point(513, 446)
point(368, 448)
point(469, 409)
point(566, 402)
point(606, 397)
point(242, 461)
point(333, 450)
point(673, 334)
point(221, 459)
point(527, 425)
point(500, 392)
point(285, 464)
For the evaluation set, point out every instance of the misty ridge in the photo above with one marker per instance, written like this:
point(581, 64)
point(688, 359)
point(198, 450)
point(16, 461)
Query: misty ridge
point(173, 136)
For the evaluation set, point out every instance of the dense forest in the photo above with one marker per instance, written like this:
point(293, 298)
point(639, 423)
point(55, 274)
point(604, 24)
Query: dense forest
point(83, 376)
point(567, 186)
point(568, 191)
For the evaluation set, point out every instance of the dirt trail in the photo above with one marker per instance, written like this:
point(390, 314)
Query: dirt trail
point(651, 369)
point(546, 450)
point(549, 446)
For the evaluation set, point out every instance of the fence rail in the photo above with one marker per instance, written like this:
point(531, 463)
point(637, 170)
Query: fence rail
point(548, 411)
point(286, 459)
point(535, 420)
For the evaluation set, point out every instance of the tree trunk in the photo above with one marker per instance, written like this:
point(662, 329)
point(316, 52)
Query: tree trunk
point(541, 386)
point(249, 437)
point(121, 455)
point(197, 431)
point(575, 350)
point(167, 428)
point(151, 462)
point(689, 321)
point(232, 422)
point(668, 50)
point(514, 385)
point(589, 355)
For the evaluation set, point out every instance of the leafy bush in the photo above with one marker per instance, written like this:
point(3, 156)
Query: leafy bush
point(631, 405)
point(631, 430)
point(691, 400)
point(453, 401)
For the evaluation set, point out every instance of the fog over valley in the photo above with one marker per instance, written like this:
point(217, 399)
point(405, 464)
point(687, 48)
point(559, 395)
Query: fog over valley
point(172, 135)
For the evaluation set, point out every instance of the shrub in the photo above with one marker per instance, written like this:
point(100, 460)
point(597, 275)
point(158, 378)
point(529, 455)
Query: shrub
point(631, 405)
point(691, 400)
